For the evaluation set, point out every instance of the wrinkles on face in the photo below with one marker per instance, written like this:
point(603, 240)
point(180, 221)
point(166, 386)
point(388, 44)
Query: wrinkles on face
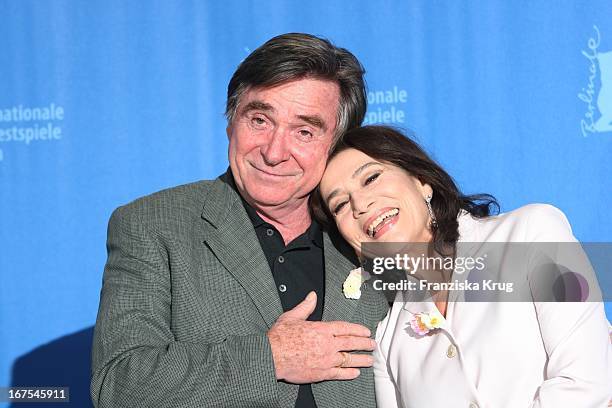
point(280, 138)
point(374, 201)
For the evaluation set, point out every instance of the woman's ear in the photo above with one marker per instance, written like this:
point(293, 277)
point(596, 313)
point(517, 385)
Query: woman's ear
point(425, 188)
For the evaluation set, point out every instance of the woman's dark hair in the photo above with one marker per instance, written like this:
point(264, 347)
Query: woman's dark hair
point(389, 145)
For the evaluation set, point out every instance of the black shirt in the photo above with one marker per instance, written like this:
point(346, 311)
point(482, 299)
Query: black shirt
point(297, 268)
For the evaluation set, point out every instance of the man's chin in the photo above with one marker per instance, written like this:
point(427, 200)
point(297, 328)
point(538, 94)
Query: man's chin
point(270, 198)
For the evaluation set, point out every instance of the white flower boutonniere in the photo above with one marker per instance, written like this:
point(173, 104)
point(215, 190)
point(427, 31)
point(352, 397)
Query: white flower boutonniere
point(423, 323)
point(352, 284)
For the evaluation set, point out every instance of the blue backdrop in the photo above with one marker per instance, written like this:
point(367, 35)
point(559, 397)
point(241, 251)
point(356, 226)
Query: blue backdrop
point(102, 102)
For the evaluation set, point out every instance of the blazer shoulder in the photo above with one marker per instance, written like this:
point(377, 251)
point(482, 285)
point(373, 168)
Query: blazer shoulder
point(166, 204)
point(541, 218)
point(538, 211)
point(532, 222)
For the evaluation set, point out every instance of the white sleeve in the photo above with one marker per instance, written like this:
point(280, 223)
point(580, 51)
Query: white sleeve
point(575, 334)
point(387, 393)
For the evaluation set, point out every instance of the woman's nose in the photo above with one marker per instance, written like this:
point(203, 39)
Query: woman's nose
point(360, 204)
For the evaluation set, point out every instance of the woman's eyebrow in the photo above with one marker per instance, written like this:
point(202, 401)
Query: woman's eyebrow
point(362, 168)
point(332, 195)
point(356, 173)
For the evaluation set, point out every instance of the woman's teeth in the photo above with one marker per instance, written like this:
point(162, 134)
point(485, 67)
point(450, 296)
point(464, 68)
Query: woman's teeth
point(378, 221)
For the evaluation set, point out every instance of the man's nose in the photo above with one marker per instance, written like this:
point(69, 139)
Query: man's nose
point(276, 151)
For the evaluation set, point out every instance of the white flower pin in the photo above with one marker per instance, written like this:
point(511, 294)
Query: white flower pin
point(352, 284)
point(423, 323)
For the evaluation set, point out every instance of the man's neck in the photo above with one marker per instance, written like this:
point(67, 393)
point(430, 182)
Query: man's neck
point(290, 220)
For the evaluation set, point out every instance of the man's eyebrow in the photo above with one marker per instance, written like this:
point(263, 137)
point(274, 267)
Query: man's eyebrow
point(314, 120)
point(356, 173)
point(257, 105)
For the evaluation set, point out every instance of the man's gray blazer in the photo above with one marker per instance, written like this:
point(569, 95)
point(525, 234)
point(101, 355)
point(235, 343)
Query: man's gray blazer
point(186, 302)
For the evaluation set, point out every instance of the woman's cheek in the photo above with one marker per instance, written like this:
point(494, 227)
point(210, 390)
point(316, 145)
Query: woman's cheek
point(356, 242)
point(356, 247)
point(350, 231)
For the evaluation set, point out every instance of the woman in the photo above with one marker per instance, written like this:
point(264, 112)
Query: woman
point(380, 186)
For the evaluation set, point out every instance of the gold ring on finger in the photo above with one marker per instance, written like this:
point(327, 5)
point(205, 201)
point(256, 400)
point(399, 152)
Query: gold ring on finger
point(345, 359)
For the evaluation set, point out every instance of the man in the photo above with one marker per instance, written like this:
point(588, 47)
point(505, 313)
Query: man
point(213, 291)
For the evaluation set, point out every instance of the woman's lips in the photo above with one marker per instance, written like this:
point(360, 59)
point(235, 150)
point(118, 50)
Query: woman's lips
point(386, 225)
point(381, 222)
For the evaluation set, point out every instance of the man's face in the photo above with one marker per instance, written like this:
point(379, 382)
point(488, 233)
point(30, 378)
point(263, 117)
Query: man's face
point(279, 140)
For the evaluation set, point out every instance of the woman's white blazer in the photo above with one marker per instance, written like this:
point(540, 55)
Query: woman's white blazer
point(498, 354)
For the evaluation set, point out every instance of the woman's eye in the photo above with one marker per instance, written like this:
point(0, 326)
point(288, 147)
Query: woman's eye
point(339, 207)
point(371, 178)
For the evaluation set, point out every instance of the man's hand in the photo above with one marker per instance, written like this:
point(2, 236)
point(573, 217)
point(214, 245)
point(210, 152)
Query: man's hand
point(306, 352)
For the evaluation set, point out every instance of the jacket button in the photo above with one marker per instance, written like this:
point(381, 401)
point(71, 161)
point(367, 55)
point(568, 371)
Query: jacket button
point(452, 352)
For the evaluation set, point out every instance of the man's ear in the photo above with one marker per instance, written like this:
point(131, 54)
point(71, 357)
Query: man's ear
point(228, 130)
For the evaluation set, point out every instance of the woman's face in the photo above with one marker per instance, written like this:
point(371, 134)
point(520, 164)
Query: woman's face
point(375, 201)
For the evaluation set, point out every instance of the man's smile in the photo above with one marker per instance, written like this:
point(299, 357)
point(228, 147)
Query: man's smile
point(271, 172)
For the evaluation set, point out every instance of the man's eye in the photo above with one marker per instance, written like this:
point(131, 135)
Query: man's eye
point(258, 121)
point(371, 178)
point(339, 207)
point(305, 134)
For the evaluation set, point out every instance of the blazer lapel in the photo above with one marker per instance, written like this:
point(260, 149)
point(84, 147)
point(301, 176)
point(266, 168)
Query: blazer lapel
point(229, 233)
point(337, 268)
